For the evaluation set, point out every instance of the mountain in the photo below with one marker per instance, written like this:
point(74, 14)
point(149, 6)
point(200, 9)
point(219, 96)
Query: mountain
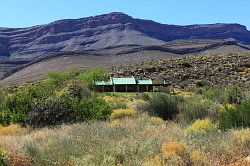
point(104, 31)
point(27, 54)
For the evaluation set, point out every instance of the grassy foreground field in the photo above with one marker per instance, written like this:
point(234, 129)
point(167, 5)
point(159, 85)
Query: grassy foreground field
point(60, 122)
point(141, 140)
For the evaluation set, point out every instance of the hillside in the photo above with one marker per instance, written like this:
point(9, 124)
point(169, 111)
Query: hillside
point(24, 70)
point(205, 70)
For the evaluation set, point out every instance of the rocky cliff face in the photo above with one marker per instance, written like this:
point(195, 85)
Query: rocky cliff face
point(109, 30)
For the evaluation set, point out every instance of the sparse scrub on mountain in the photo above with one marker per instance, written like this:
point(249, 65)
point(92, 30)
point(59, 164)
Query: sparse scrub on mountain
point(186, 63)
point(213, 70)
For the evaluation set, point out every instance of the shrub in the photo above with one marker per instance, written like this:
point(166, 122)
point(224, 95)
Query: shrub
point(157, 121)
point(225, 107)
point(235, 95)
point(119, 105)
point(178, 148)
point(183, 93)
point(236, 117)
point(154, 161)
point(241, 137)
point(197, 107)
point(2, 98)
point(186, 63)
point(58, 77)
point(52, 111)
point(76, 89)
point(144, 96)
point(162, 105)
point(215, 94)
point(199, 158)
point(174, 153)
point(123, 113)
point(90, 76)
point(40, 90)
point(13, 157)
point(199, 83)
point(201, 127)
point(16, 108)
point(231, 95)
point(59, 110)
point(2, 157)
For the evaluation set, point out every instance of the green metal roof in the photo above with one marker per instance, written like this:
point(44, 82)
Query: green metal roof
point(123, 81)
point(104, 83)
point(144, 82)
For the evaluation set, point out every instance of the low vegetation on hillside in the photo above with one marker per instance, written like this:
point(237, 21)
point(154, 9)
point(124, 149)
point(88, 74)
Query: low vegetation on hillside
point(61, 121)
point(205, 70)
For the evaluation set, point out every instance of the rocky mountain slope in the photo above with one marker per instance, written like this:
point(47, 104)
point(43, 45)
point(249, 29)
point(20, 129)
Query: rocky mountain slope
point(109, 30)
point(204, 70)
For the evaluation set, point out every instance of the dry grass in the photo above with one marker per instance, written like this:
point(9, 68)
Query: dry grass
point(11, 130)
point(136, 141)
point(141, 140)
point(123, 113)
point(183, 93)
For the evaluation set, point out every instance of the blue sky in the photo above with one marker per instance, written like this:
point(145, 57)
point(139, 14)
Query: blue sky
point(24, 13)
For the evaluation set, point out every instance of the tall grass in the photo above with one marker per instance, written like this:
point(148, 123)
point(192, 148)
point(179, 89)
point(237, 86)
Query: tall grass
point(136, 141)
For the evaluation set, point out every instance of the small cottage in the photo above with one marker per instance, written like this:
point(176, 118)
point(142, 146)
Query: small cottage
point(126, 84)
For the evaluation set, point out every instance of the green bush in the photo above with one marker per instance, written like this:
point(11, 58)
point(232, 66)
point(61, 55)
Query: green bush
point(235, 95)
point(16, 108)
point(232, 94)
point(2, 157)
point(60, 99)
point(162, 105)
point(143, 96)
point(238, 117)
point(2, 98)
point(215, 94)
point(119, 105)
point(77, 89)
point(4, 119)
point(59, 110)
point(90, 76)
point(195, 108)
point(186, 63)
point(58, 77)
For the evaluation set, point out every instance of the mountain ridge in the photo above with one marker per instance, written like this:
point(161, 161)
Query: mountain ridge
point(102, 31)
